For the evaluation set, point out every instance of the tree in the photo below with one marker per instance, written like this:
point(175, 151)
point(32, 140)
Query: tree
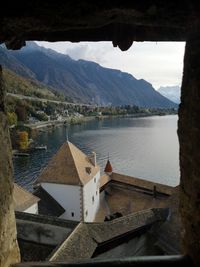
point(50, 109)
point(21, 113)
point(12, 118)
point(23, 140)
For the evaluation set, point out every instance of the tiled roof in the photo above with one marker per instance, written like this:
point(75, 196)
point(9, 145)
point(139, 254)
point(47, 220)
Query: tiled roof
point(104, 180)
point(22, 198)
point(136, 182)
point(127, 194)
point(68, 166)
point(86, 237)
point(140, 183)
point(47, 204)
point(108, 167)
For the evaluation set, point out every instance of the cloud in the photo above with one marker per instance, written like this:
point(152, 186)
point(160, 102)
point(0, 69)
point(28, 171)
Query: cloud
point(78, 52)
point(90, 51)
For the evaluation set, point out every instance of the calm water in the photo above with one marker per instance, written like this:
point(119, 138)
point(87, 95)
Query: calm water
point(142, 147)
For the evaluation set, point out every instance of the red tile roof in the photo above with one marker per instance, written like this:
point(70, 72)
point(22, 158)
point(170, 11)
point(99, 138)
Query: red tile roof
point(108, 167)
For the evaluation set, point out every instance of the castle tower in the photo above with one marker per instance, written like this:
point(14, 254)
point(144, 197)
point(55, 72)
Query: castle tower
point(72, 179)
point(108, 169)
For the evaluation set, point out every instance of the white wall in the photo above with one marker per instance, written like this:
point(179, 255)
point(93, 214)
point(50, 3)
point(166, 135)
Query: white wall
point(90, 192)
point(32, 209)
point(68, 196)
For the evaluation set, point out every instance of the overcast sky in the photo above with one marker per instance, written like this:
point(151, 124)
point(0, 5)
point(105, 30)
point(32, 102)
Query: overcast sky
point(160, 63)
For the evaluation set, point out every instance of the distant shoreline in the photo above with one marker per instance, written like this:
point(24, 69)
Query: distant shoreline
point(43, 126)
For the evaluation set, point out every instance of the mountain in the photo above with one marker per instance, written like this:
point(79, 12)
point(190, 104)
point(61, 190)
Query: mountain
point(86, 81)
point(17, 84)
point(171, 92)
point(10, 62)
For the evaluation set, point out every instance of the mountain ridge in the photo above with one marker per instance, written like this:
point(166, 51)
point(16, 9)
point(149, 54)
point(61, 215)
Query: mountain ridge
point(87, 81)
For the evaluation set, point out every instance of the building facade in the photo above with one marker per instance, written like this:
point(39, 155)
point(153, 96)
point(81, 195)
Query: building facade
point(73, 180)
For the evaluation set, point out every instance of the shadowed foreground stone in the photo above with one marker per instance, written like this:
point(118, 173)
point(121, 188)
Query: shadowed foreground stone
point(9, 252)
point(189, 137)
point(121, 22)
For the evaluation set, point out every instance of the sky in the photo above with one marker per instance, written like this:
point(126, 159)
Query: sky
point(160, 63)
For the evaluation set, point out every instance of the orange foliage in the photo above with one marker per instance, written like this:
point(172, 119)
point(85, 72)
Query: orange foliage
point(23, 140)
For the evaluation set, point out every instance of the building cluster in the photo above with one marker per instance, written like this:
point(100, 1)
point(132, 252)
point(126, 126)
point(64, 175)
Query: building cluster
point(124, 211)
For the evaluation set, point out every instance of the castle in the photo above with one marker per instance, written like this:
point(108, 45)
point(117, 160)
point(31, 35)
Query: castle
point(71, 187)
point(73, 180)
point(76, 205)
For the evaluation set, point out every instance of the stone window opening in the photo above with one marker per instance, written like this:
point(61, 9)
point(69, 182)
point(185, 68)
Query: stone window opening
point(189, 108)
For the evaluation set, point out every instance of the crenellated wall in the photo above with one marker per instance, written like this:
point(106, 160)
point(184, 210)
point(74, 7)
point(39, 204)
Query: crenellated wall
point(9, 252)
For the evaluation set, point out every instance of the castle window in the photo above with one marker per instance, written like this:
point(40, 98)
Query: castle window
point(95, 180)
point(96, 193)
point(92, 199)
point(88, 170)
point(86, 213)
point(72, 214)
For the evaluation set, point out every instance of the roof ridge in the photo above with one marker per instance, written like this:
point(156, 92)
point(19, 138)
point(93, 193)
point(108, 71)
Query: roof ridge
point(27, 192)
point(84, 155)
point(74, 160)
point(22, 198)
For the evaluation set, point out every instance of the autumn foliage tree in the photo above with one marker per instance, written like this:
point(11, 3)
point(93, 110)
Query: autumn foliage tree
point(23, 141)
point(12, 118)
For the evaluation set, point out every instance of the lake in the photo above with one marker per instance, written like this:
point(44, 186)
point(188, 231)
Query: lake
point(146, 148)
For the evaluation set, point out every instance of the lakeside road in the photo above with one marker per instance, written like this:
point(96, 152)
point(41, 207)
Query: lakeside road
point(44, 100)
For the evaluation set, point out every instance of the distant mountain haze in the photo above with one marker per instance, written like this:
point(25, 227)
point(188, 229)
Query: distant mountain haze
point(84, 81)
point(171, 92)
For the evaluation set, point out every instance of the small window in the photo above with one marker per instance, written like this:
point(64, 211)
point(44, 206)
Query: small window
point(72, 214)
point(88, 170)
point(95, 179)
point(86, 213)
point(92, 199)
point(96, 193)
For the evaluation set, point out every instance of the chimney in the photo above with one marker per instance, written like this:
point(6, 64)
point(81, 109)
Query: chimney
point(94, 159)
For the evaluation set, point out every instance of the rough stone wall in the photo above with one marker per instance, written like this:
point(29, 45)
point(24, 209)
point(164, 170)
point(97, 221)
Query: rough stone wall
point(121, 22)
point(189, 137)
point(9, 252)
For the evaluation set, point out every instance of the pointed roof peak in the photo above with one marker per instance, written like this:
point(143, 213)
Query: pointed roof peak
point(108, 167)
point(23, 199)
point(68, 166)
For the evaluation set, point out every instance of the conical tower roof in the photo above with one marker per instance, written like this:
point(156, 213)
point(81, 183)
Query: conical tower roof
point(108, 167)
point(68, 166)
